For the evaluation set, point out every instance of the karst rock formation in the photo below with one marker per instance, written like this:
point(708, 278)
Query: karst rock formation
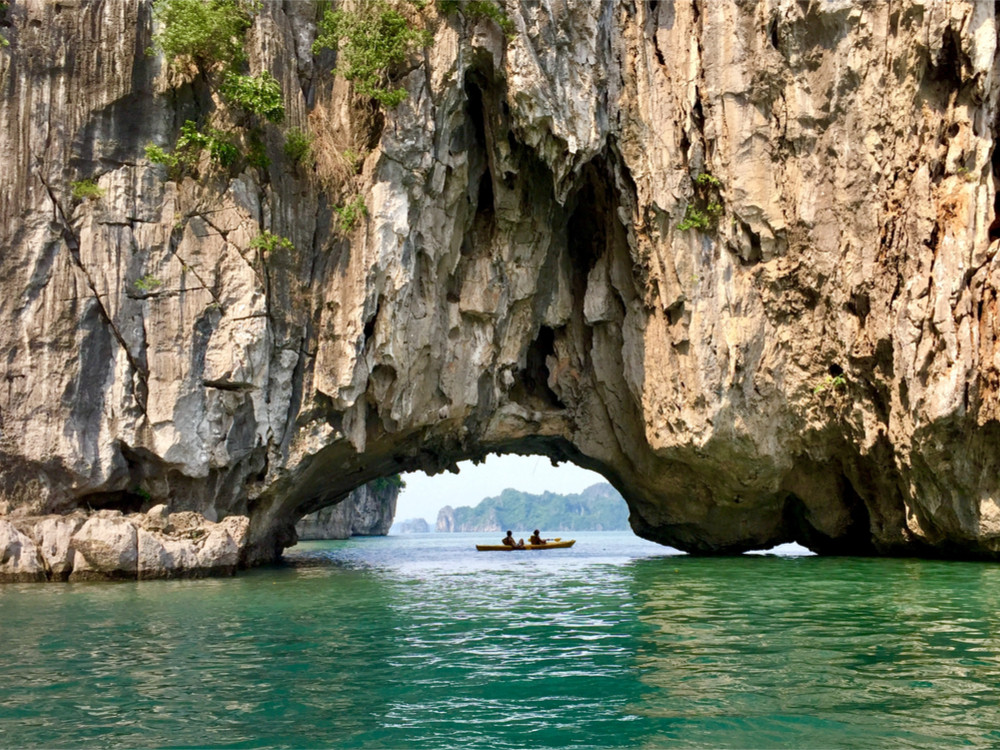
point(367, 511)
point(739, 257)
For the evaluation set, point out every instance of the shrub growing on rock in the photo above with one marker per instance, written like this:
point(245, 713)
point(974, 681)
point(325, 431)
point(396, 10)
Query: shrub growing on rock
point(257, 151)
point(206, 32)
point(260, 95)
point(268, 242)
point(147, 283)
point(384, 483)
point(369, 40)
point(298, 147)
point(211, 34)
point(476, 9)
point(350, 213)
point(4, 6)
point(86, 190)
point(190, 143)
point(706, 207)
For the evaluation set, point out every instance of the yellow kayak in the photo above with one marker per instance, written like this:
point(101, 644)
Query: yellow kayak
point(558, 544)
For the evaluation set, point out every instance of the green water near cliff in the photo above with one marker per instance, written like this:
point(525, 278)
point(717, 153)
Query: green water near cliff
point(420, 642)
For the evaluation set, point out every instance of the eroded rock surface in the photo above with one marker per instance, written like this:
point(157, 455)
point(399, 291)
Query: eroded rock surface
point(803, 347)
point(107, 544)
point(367, 511)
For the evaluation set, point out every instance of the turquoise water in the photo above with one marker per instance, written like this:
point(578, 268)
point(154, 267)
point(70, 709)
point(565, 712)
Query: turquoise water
point(421, 642)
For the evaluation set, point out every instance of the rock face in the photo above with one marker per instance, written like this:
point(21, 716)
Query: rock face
point(367, 511)
point(738, 257)
point(107, 544)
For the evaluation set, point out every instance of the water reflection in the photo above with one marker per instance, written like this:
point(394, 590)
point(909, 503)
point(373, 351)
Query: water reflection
point(520, 653)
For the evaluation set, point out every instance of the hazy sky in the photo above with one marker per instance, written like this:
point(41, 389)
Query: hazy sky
point(424, 496)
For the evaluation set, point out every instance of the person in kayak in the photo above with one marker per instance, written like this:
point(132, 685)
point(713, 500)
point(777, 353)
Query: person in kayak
point(535, 538)
point(509, 541)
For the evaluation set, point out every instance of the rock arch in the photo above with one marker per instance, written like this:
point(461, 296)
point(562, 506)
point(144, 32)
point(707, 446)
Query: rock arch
point(683, 255)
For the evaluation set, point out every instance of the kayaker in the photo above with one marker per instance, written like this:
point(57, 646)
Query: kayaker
point(535, 538)
point(509, 541)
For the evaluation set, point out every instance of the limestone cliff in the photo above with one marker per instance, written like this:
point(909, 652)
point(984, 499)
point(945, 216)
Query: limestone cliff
point(367, 511)
point(738, 257)
point(108, 544)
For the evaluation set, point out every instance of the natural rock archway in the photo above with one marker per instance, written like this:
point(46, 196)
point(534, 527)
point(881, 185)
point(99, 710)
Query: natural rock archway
point(738, 258)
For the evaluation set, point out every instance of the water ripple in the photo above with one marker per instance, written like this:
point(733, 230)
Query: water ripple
point(390, 643)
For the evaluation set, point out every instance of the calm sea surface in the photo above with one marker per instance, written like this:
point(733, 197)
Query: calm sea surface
point(421, 642)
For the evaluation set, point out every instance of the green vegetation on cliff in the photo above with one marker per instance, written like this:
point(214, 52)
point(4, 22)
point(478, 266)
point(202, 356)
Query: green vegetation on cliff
point(87, 190)
point(597, 508)
point(298, 147)
point(268, 242)
point(211, 36)
point(476, 9)
point(4, 6)
point(706, 207)
point(259, 95)
point(370, 40)
point(206, 32)
point(383, 484)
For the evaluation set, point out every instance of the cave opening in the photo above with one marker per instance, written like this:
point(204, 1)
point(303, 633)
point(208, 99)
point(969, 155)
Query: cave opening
point(503, 488)
point(487, 496)
point(592, 215)
point(532, 386)
point(519, 489)
point(480, 112)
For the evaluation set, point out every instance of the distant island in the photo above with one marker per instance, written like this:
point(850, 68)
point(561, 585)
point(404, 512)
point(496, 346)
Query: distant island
point(597, 508)
point(411, 526)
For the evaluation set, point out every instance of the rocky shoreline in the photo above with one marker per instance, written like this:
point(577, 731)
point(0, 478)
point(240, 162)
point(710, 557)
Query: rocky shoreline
point(109, 545)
